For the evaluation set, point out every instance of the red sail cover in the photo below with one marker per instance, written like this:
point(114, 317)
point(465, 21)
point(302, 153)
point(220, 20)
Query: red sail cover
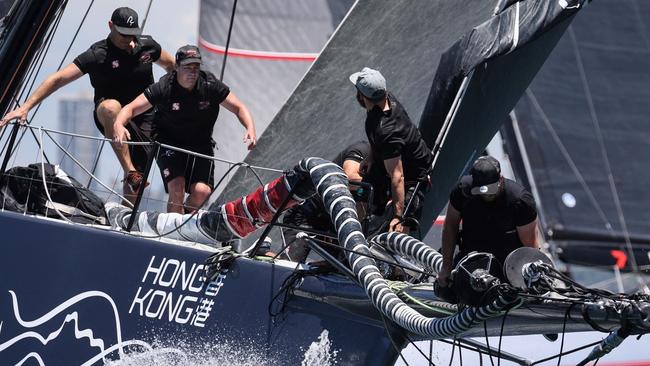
point(245, 214)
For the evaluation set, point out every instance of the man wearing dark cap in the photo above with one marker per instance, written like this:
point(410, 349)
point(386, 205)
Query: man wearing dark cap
point(187, 104)
point(498, 216)
point(120, 69)
point(396, 142)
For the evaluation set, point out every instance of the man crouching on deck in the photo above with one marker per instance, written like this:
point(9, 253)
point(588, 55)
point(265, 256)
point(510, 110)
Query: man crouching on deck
point(187, 101)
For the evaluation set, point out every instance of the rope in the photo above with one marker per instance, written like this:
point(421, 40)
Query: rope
point(225, 54)
point(146, 15)
point(603, 151)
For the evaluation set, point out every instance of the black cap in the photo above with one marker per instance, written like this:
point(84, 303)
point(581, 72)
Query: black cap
point(125, 21)
point(485, 173)
point(188, 54)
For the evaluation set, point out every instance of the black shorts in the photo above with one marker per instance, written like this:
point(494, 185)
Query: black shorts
point(141, 130)
point(194, 169)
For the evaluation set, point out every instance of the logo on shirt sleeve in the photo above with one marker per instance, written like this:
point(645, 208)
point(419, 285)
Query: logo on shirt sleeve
point(116, 64)
point(145, 58)
point(176, 106)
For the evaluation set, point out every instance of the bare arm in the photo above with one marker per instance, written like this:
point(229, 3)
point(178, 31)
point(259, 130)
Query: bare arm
point(52, 83)
point(396, 172)
point(166, 61)
point(234, 105)
point(528, 234)
point(138, 106)
point(449, 240)
point(351, 169)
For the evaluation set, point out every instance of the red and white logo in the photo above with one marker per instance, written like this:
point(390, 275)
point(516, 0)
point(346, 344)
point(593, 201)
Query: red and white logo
point(204, 104)
point(145, 58)
point(176, 106)
point(116, 64)
point(166, 172)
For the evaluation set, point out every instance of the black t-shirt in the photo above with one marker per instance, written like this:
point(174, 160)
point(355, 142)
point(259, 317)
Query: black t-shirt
point(392, 134)
point(312, 212)
point(186, 118)
point(118, 74)
point(358, 151)
point(492, 226)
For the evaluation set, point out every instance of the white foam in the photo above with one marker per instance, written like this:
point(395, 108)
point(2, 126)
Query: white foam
point(320, 353)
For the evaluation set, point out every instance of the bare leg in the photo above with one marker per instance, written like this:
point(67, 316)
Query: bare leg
point(106, 113)
point(176, 188)
point(199, 192)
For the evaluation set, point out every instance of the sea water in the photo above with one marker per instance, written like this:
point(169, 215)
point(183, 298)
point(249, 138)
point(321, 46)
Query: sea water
point(161, 353)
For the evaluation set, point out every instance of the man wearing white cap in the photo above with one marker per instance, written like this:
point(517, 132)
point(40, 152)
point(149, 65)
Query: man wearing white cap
point(498, 216)
point(397, 142)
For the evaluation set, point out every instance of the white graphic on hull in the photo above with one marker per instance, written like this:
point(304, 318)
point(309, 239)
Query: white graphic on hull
point(72, 317)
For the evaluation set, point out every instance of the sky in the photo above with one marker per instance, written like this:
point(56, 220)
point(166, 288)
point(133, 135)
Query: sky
point(170, 24)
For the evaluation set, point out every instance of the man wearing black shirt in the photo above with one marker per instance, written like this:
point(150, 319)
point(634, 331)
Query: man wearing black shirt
point(311, 214)
point(498, 216)
point(397, 142)
point(187, 104)
point(120, 69)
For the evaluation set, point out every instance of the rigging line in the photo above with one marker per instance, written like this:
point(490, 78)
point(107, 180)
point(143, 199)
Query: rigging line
point(567, 158)
point(225, 54)
point(191, 215)
point(603, 151)
point(76, 33)
point(392, 341)
point(503, 323)
point(453, 349)
point(24, 56)
point(370, 256)
point(38, 59)
point(566, 317)
point(252, 167)
point(218, 159)
point(567, 352)
point(146, 14)
point(67, 51)
point(54, 28)
point(67, 147)
point(487, 342)
point(429, 360)
point(47, 191)
point(80, 165)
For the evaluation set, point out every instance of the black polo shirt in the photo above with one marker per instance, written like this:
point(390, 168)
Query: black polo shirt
point(392, 134)
point(492, 226)
point(186, 118)
point(118, 74)
point(358, 151)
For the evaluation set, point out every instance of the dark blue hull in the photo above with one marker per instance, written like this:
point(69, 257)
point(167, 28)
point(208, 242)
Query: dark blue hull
point(70, 294)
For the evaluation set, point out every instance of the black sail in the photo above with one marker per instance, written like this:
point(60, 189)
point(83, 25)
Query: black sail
point(583, 129)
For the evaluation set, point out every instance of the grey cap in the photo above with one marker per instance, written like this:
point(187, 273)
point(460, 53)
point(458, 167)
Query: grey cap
point(370, 83)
